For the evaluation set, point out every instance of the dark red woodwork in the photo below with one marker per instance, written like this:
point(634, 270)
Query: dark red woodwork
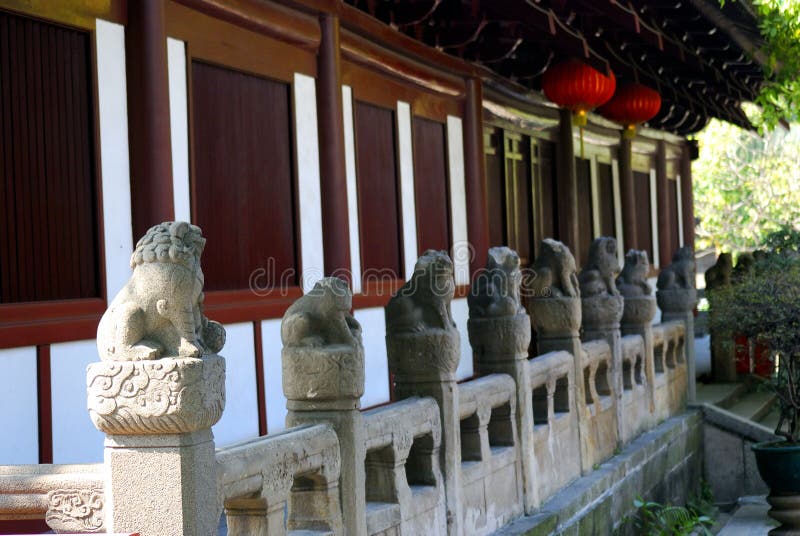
point(262, 400)
point(641, 188)
point(48, 216)
point(687, 197)
point(566, 192)
point(495, 187)
point(148, 116)
point(243, 183)
point(667, 226)
point(585, 213)
point(474, 168)
point(431, 193)
point(547, 204)
point(628, 199)
point(44, 402)
point(378, 198)
point(333, 180)
point(605, 194)
point(24, 526)
point(672, 201)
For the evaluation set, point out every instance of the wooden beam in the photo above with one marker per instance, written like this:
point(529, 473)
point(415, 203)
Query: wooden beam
point(687, 197)
point(148, 116)
point(474, 170)
point(628, 196)
point(567, 185)
point(665, 224)
point(333, 179)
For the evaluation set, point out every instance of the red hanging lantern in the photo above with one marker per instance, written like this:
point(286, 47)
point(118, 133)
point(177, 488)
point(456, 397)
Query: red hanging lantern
point(578, 87)
point(632, 105)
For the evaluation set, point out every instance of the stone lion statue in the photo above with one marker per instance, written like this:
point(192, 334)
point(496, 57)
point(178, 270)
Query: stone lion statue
point(555, 271)
point(322, 317)
point(632, 281)
point(745, 265)
point(423, 303)
point(159, 312)
point(719, 275)
point(597, 277)
point(680, 274)
point(496, 290)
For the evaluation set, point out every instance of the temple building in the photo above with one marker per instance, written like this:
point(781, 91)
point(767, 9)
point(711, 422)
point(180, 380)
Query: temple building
point(316, 137)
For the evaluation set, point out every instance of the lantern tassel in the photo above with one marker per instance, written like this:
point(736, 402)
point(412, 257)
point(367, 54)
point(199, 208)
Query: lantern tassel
point(581, 131)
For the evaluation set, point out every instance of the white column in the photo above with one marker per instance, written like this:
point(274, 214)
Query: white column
point(407, 200)
point(462, 251)
point(352, 187)
point(654, 217)
point(618, 211)
point(179, 128)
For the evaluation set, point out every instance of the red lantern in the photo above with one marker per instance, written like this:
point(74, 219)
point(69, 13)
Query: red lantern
point(578, 87)
point(632, 105)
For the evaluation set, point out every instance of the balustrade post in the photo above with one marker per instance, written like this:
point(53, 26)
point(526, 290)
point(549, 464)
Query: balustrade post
point(677, 298)
point(500, 333)
point(423, 347)
point(323, 380)
point(158, 389)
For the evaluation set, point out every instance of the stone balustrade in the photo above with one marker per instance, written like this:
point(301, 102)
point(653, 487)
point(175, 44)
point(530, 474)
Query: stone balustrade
point(446, 458)
point(283, 482)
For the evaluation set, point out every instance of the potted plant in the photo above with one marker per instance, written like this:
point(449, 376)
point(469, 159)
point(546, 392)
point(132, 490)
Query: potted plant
point(764, 305)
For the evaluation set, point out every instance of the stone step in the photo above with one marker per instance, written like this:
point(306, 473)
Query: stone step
point(753, 406)
point(749, 518)
point(770, 420)
point(722, 395)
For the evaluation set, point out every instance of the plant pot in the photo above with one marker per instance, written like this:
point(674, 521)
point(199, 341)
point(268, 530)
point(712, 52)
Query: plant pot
point(779, 466)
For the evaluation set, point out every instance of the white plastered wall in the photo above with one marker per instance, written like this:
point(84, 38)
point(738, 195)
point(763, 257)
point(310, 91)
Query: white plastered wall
point(179, 128)
point(18, 394)
point(240, 418)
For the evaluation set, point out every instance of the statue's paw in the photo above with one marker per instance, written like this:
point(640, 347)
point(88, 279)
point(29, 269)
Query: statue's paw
point(144, 351)
point(189, 349)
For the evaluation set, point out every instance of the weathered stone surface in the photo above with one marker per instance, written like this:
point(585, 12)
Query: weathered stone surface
point(597, 277)
point(504, 338)
point(323, 356)
point(601, 312)
point(555, 271)
point(556, 316)
point(76, 510)
point(676, 300)
point(159, 312)
point(163, 396)
point(719, 275)
point(638, 310)
point(496, 289)
point(681, 273)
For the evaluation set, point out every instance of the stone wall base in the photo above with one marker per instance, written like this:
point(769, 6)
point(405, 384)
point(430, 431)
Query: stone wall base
point(663, 465)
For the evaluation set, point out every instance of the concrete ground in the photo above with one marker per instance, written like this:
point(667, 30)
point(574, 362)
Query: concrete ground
point(749, 519)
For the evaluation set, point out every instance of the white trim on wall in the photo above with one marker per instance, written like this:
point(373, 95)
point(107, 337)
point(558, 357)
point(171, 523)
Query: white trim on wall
point(179, 128)
point(112, 104)
point(239, 421)
point(458, 200)
point(18, 393)
point(654, 218)
point(617, 210)
point(312, 259)
point(405, 149)
point(679, 204)
point(352, 187)
point(593, 179)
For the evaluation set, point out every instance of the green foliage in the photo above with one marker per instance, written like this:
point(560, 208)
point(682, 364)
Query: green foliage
point(655, 519)
point(765, 305)
point(779, 24)
point(745, 186)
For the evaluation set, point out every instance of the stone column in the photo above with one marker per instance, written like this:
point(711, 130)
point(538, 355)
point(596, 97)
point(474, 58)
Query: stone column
point(723, 361)
point(423, 347)
point(323, 380)
point(500, 333)
point(602, 306)
point(639, 310)
point(677, 299)
point(158, 389)
point(556, 308)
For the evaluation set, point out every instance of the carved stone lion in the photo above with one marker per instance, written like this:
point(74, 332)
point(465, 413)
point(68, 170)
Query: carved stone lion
point(632, 281)
point(680, 275)
point(597, 277)
point(719, 275)
point(555, 271)
point(423, 303)
point(322, 317)
point(745, 265)
point(159, 312)
point(496, 290)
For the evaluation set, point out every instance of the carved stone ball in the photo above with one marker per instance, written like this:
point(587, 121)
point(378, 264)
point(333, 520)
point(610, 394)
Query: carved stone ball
point(164, 396)
point(638, 310)
point(676, 300)
point(500, 339)
point(602, 311)
point(556, 317)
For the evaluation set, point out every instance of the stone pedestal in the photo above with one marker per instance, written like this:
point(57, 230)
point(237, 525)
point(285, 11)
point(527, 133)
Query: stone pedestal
point(601, 317)
point(424, 364)
point(325, 384)
point(637, 319)
point(500, 345)
point(679, 304)
point(159, 449)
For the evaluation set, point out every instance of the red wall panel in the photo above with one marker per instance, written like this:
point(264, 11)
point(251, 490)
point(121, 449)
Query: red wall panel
point(431, 193)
